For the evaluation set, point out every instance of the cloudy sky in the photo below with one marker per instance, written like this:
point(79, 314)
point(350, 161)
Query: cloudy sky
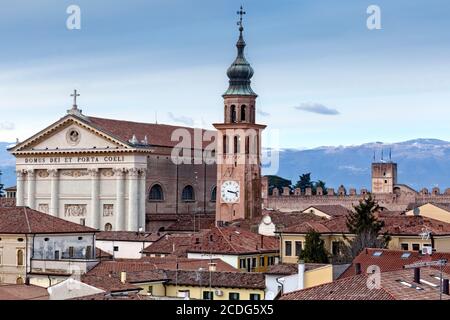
point(322, 76)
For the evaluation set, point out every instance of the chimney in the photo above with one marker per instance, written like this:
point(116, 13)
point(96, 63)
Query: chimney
point(301, 275)
point(357, 268)
point(445, 287)
point(123, 277)
point(212, 266)
point(417, 275)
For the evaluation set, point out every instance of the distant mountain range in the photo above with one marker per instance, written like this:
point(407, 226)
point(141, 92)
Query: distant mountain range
point(421, 163)
point(7, 165)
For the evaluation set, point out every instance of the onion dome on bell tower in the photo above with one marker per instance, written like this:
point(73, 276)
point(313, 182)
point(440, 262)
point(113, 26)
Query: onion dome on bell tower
point(240, 72)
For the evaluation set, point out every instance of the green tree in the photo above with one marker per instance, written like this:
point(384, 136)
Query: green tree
point(278, 182)
point(363, 223)
point(314, 250)
point(304, 182)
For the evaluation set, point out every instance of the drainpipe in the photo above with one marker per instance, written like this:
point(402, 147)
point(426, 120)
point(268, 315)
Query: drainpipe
point(301, 275)
point(280, 281)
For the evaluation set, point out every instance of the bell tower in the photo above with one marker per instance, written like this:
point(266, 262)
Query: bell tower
point(239, 144)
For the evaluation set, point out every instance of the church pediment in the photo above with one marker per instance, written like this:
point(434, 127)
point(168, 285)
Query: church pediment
point(69, 134)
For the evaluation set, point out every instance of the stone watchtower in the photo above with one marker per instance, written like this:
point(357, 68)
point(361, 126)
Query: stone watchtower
point(384, 177)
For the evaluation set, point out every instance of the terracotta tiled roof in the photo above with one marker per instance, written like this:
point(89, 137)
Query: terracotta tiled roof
point(353, 288)
point(413, 225)
point(144, 264)
point(108, 283)
point(195, 264)
point(391, 282)
point(331, 209)
point(305, 227)
point(291, 268)
point(25, 220)
point(280, 219)
point(248, 280)
point(186, 223)
point(114, 267)
point(393, 285)
point(146, 276)
point(232, 240)
point(102, 255)
point(128, 236)
point(109, 296)
point(394, 225)
point(22, 292)
point(7, 202)
point(172, 244)
point(391, 260)
point(157, 134)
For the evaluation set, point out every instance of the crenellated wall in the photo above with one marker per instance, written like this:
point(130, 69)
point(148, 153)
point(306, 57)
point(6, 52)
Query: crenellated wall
point(403, 196)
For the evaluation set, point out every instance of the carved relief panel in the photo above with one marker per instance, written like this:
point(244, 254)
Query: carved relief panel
point(75, 210)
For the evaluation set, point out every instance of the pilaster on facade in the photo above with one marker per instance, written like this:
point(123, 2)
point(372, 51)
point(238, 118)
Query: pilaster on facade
point(94, 217)
point(54, 192)
point(20, 193)
point(133, 200)
point(120, 174)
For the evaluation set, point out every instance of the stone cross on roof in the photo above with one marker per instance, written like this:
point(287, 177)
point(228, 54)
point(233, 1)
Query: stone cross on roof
point(75, 95)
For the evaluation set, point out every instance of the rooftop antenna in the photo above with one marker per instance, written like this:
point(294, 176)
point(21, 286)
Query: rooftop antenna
point(374, 156)
point(390, 154)
point(437, 263)
point(382, 155)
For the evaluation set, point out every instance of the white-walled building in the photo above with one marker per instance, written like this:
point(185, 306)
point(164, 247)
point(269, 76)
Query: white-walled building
point(125, 244)
point(40, 249)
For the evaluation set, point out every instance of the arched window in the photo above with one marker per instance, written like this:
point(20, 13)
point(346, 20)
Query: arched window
point(224, 144)
point(237, 147)
point(233, 113)
point(19, 280)
point(156, 193)
point(247, 145)
point(188, 194)
point(108, 227)
point(243, 112)
point(214, 194)
point(20, 261)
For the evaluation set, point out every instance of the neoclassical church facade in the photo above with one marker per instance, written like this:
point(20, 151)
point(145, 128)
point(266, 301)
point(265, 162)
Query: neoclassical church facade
point(121, 175)
point(110, 174)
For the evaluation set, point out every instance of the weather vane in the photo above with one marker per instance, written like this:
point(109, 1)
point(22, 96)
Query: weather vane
point(241, 12)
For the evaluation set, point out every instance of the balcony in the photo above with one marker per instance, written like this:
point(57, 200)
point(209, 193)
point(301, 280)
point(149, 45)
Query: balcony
point(63, 266)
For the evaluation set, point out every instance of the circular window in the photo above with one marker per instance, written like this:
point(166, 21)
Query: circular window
point(73, 136)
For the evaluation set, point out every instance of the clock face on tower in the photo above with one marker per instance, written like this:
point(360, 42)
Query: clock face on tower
point(230, 191)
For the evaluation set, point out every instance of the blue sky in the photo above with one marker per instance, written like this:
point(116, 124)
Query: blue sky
point(135, 59)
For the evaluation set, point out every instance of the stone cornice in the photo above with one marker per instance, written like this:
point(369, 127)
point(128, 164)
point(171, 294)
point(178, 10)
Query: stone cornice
point(79, 151)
